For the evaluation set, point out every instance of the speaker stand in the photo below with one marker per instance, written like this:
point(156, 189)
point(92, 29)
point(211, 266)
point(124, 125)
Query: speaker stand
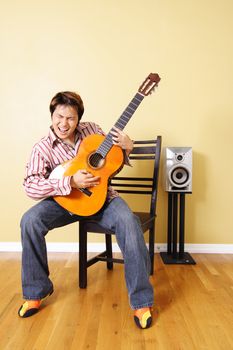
point(172, 256)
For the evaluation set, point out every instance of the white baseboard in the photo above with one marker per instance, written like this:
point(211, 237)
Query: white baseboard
point(99, 247)
point(200, 248)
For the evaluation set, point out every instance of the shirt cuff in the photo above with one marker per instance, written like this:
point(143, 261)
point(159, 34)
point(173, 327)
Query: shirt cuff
point(126, 159)
point(65, 186)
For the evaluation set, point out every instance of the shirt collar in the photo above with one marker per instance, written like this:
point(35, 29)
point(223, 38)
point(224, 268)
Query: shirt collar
point(53, 137)
point(81, 126)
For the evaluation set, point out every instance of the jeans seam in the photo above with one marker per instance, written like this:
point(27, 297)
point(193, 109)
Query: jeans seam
point(140, 306)
point(38, 297)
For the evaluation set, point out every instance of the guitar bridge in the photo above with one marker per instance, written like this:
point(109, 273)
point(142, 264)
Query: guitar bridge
point(85, 191)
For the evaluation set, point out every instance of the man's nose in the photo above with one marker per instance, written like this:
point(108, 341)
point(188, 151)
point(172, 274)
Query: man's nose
point(64, 122)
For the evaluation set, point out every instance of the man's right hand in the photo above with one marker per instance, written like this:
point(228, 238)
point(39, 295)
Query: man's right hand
point(84, 179)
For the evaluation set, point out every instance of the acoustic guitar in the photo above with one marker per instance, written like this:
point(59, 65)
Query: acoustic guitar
point(99, 156)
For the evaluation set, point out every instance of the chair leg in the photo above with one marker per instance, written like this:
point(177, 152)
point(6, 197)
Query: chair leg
point(108, 241)
point(82, 256)
point(152, 247)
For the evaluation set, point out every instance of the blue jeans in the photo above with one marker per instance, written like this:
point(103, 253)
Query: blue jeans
point(116, 216)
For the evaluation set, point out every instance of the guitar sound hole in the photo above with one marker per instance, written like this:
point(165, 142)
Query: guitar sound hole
point(96, 160)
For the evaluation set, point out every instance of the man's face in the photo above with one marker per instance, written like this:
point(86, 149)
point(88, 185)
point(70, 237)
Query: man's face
point(64, 122)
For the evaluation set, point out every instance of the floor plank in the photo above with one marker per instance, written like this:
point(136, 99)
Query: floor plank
point(193, 307)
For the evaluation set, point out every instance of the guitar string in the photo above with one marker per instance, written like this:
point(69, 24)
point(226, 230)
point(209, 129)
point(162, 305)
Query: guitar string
point(123, 120)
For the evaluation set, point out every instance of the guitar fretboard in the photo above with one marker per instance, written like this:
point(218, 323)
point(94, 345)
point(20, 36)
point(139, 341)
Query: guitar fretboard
point(106, 145)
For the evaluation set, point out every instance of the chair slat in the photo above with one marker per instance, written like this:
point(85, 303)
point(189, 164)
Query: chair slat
point(127, 178)
point(132, 185)
point(134, 192)
point(143, 150)
point(141, 157)
point(141, 142)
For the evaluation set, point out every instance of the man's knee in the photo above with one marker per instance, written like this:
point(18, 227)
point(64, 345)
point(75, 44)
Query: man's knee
point(31, 222)
point(125, 214)
point(25, 220)
point(129, 220)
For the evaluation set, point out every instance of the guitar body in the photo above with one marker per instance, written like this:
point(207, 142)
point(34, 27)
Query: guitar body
point(78, 202)
point(100, 157)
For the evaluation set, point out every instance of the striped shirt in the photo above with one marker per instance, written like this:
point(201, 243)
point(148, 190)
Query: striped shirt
point(46, 155)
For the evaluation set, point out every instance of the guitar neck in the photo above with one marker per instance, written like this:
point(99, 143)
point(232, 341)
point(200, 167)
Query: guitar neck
point(122, 121)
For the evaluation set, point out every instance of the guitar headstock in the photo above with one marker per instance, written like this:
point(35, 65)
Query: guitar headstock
point(149, 84)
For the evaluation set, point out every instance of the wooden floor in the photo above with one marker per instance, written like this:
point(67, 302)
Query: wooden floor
point(194, 307)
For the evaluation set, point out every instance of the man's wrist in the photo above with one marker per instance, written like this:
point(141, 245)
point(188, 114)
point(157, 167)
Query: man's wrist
point(72, 182)
point(130, 148)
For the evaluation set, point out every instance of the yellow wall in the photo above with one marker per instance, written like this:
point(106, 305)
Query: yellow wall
point(104, 49)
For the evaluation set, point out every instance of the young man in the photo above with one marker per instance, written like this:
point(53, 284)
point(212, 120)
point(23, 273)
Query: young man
point(61, 144)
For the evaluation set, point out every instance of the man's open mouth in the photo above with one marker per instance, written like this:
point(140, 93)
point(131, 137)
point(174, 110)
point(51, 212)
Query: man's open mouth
point(63, 131)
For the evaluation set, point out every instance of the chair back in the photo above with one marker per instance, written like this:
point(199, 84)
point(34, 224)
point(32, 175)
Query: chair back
point(143, 150)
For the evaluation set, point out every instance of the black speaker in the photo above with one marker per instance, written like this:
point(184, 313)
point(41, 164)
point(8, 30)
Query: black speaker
point(178, 169)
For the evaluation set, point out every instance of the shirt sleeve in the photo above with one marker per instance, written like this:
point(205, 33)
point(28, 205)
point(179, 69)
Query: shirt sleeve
point(126, 159)
point(36, 182)
point(98, 129)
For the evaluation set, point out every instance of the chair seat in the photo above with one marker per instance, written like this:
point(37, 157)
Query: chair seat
point(93, 226)
point(146, 219)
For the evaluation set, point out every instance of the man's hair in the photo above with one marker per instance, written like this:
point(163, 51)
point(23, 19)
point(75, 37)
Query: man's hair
point(67, 98)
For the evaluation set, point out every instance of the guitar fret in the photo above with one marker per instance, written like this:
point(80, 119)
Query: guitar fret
point(107, 144)
point(127, 112)
point(119, 123)
point(133, 109)
point(132, 103)
point(125, 116)
point(139, 97)
point(104, 147)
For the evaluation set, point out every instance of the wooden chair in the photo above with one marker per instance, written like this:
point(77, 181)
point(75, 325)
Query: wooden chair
point(143, 150)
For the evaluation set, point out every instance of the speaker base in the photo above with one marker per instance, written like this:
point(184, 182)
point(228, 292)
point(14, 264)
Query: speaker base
point(171, 259)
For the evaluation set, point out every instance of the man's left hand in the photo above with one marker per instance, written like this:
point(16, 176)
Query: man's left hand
point(121, 139)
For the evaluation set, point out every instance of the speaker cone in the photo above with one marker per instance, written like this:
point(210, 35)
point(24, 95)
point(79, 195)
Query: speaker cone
point(179, 176)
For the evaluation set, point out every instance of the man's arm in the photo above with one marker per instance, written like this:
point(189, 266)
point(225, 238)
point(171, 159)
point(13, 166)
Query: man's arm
point(36, 182)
